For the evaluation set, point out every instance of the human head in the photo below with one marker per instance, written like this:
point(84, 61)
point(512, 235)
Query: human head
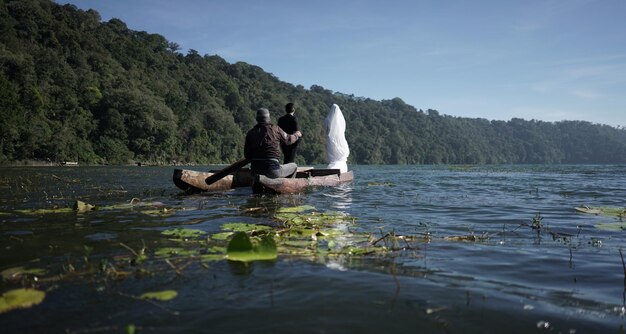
point(290, 108)
point(262, 115)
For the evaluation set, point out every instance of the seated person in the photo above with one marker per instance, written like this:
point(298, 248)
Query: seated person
point(262, 147)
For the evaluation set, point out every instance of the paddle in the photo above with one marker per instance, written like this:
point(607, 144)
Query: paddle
point(232, 168)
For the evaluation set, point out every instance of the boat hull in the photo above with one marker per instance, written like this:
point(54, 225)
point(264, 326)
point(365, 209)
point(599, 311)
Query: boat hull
point(263, 184)
point(193, 182)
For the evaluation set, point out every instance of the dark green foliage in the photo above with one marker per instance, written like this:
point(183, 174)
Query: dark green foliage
point(75, 88)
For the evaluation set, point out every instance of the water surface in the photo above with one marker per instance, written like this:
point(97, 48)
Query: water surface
point(472, 262)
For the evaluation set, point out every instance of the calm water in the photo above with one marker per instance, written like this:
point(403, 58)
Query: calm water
point(472, 262)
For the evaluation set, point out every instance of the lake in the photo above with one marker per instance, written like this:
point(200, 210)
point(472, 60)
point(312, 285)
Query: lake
point(433, 249)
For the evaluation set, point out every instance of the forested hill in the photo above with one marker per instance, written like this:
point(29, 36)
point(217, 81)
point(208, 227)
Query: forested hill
point(73, 88)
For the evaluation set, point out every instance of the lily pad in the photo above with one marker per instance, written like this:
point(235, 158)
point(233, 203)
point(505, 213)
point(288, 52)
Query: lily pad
point(603, 211)
point(221, 236)
point(212, 257)
point(183, 233)
point(241, 248)
point(44, 211)
point(296, 209)
point(313, 219)
point(612, 226)
point(20, 298)
point(159, 212)
point(173, 251)
point(17, 272)
point(243, 227)
point(163, 296)
point(133, 203)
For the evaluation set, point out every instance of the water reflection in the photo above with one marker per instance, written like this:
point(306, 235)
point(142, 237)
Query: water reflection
point(341, 197)
point(341, 201)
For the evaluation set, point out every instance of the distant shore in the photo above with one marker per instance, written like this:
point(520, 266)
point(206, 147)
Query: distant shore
point(42, 163)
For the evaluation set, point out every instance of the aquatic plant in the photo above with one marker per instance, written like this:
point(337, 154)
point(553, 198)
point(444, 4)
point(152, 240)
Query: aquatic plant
point(20, 298)
point(245, 249)
point(164, 295)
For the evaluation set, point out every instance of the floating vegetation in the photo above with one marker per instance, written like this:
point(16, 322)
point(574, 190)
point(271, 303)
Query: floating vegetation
point(617, 226)
point(470, 237)
point(380, 184)
point(603, 211)
point(20, 298)
point(296, 209)
point(80, 206)
point(311, 220)
point(174, 251)
point(159, 212)
point(52, 210)
point(183, 233)
point(536, 223)
point(16, 273)
point(163, 296)
point(243, 227)
point(299, 231)
point(245, 249)
point(221, 236)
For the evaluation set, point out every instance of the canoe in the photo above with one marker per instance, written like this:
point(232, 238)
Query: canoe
point(193, 182)
point(302, 181)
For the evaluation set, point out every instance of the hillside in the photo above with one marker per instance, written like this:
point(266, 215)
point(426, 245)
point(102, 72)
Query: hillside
point(74, 88)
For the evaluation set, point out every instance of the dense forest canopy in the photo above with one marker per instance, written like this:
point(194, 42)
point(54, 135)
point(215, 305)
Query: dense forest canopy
point(74, 88)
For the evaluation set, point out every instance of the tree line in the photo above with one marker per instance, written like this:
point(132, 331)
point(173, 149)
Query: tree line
point(74, 88)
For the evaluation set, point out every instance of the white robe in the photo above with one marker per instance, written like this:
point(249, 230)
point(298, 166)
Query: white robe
point(337, 150)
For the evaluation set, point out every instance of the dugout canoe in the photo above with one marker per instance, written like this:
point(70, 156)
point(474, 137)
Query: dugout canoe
point(302, 182)
point(192, 181)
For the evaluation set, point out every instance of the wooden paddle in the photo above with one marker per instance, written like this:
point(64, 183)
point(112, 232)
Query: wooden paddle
point(230, 169)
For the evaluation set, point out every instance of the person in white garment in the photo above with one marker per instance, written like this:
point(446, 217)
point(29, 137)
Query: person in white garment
point(337, 150)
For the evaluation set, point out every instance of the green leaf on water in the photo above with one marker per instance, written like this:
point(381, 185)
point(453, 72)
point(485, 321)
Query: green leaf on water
point(17, 272)
point(20, 298)
point(159, 212)
point(221, 236)
point(296, 209)
point(44, 211)
point(163, 296)
point(243, 227)
point(242, 248)
point(173, 251)
point(212, 257)
point(183, 233)
point(603, 211)
point(612, 226)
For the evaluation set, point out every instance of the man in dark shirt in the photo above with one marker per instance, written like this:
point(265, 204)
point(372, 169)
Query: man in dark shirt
point(262, 147)
point(289, 124)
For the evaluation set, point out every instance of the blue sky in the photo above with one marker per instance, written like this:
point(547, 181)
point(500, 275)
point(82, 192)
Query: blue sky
point(532, 59)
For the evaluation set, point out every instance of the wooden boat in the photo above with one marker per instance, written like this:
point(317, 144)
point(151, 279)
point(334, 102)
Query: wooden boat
point(194, 181)
point(302, 181)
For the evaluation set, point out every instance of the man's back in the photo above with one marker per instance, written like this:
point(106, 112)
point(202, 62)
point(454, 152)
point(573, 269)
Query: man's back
point(288, 123)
